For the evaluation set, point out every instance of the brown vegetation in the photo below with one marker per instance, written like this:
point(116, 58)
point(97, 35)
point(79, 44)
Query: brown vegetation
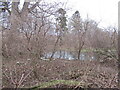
point(40, 28)
point(92, 73)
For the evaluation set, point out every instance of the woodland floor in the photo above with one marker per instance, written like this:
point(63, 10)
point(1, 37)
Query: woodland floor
point(91, 74)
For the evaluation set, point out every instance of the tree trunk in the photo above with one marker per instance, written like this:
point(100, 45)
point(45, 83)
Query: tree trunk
point(55, 47)
point(79, 50)
point(60, 46)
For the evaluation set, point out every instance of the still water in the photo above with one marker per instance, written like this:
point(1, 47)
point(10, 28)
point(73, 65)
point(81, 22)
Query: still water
point(71, 55)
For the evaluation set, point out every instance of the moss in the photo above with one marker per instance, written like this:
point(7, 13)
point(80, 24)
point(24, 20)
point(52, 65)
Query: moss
point(55, 82)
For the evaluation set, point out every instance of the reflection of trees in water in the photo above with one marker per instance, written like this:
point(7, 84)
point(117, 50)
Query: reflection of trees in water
point(71, 55)
point(84, 55)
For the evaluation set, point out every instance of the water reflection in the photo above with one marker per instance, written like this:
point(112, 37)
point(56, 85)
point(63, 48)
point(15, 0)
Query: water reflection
point(71, 55)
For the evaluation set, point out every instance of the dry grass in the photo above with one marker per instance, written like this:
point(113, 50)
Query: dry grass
point(28, 73)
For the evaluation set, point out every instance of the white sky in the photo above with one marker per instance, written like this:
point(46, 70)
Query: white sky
point(103, 11)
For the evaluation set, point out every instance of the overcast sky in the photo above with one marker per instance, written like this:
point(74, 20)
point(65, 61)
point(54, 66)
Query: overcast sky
point(103, 11)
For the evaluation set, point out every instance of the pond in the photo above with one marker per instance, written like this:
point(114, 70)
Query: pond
point(71, 55)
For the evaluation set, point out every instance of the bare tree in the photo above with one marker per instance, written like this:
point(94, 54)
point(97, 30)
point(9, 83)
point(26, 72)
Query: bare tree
point(80, 29)
point(60, 29)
